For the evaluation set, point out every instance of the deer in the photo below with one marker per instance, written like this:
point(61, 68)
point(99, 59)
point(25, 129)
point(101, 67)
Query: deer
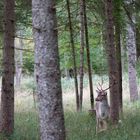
point(102, 109)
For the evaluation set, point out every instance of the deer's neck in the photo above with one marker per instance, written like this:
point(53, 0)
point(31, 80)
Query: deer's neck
point(104, 102)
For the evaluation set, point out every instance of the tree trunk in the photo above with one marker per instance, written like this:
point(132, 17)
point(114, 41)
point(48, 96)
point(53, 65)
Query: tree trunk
point(73, 55)
point(82, 44)
point(117, 12)
point(88, 57)
point(137, 40)
point(137, 29)
point(48, 77)
point(131, 46)
point(114, 96)
point(7, 97)
point(19, 63)
point(119, 65)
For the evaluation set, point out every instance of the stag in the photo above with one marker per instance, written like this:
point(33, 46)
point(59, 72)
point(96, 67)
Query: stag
point(102, 109)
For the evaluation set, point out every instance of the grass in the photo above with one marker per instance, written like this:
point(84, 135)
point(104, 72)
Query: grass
point(83, 128)
point(79, 126)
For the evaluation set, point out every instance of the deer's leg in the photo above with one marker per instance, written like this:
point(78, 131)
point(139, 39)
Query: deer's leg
point(105, 125)
point(101, 125)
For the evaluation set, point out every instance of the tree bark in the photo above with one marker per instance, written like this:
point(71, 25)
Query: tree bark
point(131, 46)
point(88, 57)
point(82, 44)
point(74, 56)
point(117, 14)
point(114, 96)
point(119, 65)
point(137, 29)
point(137, 40)
point(7, 97)
point(19, 62)
point(48, 77)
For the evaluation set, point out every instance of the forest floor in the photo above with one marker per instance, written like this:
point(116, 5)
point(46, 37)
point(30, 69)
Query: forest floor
point(79, 126)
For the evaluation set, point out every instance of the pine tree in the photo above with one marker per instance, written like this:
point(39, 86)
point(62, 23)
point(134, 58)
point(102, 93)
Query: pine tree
point(112, 63)
point(7, 97)
point(48, 78)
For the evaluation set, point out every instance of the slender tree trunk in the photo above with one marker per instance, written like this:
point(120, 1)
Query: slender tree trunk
point(88, 57)
point(47, 67)
point(7, 97)
point(119, 65)
point(74, 56)
point(137, 39)
point(114, 96)
point(117, 5)
point(66, 70)
point(123, 54)
point(82, 44)
point(137, 29)
point(131, 46)
point(19, 62)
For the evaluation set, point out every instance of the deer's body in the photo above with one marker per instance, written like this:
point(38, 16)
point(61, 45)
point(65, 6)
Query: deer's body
point(102, 111)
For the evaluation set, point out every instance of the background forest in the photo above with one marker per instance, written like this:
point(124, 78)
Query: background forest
point(98, 45)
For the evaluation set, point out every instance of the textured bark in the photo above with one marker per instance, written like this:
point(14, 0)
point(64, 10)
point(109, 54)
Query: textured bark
point(138, 41)
point(117, 12)
point(131, 46)
point(74, 56)
point(114, 96)
point(47, 70)
point(137, 29)
point(82, 44)
point(88, 58)
point(119, 65)
point(7, 97)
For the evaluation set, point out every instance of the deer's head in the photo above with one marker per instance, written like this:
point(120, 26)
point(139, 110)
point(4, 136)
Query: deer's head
point(102, 93)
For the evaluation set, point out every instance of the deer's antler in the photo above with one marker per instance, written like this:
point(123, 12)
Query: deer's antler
point(100, 85)
point(101, 88)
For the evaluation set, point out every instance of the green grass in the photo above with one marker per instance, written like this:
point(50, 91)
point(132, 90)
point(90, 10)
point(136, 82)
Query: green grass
point(79, 126)
point(82, 127)
point(26, 127)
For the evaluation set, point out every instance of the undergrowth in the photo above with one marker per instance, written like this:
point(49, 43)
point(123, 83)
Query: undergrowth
point(79, 126)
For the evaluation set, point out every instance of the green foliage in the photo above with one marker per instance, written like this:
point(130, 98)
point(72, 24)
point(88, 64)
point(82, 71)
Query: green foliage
point(23, 13)
point(28, 64)
point(99, 62)
point(95, 26)
point(98, 58)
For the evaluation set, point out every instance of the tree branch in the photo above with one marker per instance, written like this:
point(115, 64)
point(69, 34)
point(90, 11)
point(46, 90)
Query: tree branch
point(26, 50)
